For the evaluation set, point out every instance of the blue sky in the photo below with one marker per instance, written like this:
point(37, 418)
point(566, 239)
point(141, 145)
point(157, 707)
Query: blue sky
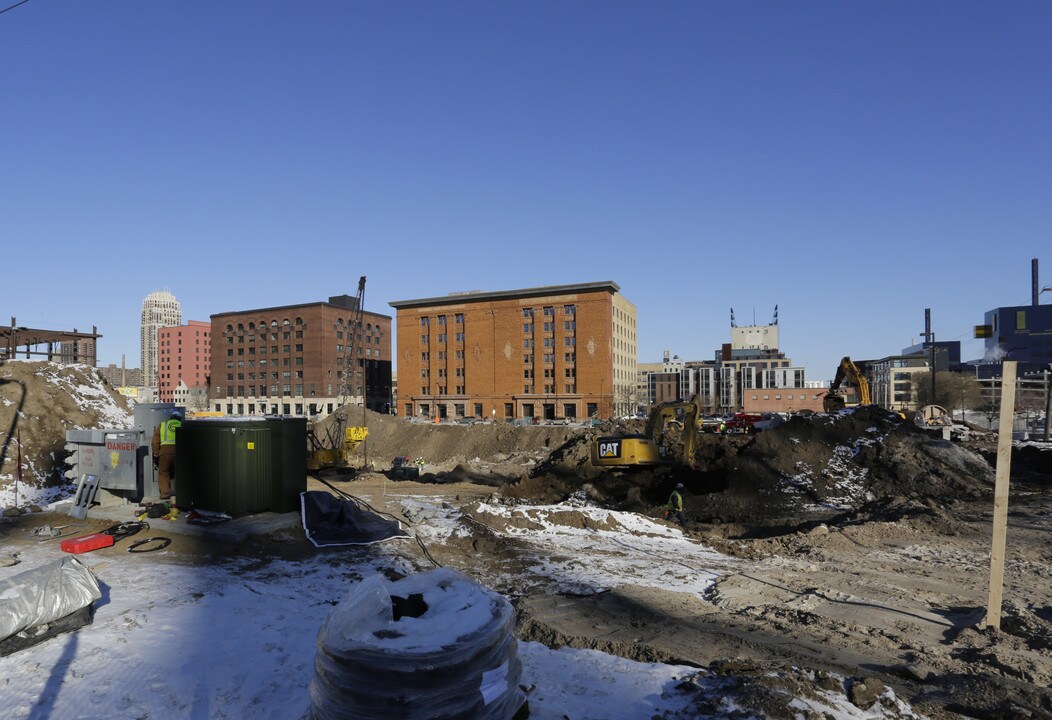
point(852, 163)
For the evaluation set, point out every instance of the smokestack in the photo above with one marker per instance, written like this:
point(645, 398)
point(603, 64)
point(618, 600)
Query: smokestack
point(1033, 282)
point(124, 380)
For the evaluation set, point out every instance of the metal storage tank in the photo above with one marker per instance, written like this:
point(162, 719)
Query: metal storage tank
point(241, 465)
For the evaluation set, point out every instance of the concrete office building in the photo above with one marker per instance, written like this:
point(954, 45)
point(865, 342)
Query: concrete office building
point(184, 357)
point(667, 381)
point(159, 309)
point(891, 380)
point(544, 353)
point(295, 359)
point(756, 377)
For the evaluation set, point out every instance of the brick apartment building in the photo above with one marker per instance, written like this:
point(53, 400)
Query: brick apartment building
point(121, 376)
point(293, 360)
point(77, 351)
point(183, 357)
point(566, 351)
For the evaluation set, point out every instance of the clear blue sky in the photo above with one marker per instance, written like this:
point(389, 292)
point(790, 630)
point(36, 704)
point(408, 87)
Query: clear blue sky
point(852, 163)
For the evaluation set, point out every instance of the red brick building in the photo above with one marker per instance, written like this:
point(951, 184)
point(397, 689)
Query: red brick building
point(294, 359)
point(555, 352)
point(183, 356)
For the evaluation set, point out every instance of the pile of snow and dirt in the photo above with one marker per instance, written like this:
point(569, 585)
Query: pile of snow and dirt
point(53, 399)
point(807, 467)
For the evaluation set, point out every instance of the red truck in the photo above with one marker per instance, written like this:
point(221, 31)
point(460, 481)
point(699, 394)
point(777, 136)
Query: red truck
point(743, 422)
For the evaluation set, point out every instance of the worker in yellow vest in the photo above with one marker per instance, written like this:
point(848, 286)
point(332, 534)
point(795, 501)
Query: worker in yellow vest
point(164, 453)
point(674, 510)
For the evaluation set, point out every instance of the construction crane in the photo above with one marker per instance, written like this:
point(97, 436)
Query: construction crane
point(330, 440)
point(350, 361)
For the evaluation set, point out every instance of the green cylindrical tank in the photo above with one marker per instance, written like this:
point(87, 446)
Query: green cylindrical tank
point(241, 465)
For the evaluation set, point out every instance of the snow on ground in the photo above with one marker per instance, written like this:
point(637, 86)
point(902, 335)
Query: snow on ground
point(617, 548)
point(236, 639)
point(22, 495)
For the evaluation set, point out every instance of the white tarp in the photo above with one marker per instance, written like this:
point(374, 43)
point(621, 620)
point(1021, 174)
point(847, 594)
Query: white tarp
point(45, 594)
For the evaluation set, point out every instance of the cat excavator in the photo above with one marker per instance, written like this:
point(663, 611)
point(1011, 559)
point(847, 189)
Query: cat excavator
point(653, 446)
point(847, 370)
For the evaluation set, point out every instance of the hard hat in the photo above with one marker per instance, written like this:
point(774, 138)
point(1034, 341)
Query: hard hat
point(177, 415)
point(679, 486)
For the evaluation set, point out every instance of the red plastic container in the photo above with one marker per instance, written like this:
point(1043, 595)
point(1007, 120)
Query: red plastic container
point(86, 543)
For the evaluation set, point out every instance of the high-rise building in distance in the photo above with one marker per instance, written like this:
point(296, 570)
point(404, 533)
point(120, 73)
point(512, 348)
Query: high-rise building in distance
point(159, 309)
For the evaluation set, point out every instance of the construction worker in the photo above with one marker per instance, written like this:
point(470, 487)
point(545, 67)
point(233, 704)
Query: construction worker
point(164, 453)
point(675, 505)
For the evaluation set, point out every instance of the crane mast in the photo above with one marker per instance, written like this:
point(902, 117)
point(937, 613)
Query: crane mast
point(350, 358)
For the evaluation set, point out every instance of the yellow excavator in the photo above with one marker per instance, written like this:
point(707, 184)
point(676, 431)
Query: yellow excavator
point(847, 370)
point(649, 447)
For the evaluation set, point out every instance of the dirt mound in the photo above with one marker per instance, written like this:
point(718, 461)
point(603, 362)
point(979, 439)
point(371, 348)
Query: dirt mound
point(807, 468)
point(833, 463)
point(502, 448)
point(56, 398)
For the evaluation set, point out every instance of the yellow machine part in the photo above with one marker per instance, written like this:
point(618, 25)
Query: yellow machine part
point(353, 439)
point(322, 458)
point(621, 450)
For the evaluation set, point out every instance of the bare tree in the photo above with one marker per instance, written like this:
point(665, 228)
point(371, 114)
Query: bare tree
point(1030, 402)
point(626, 399)
point(953, 390)
point(197, 399)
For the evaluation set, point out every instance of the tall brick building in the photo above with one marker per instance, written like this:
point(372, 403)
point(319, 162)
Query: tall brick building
point(564, 351)
point(183, 357)
point(292, 360)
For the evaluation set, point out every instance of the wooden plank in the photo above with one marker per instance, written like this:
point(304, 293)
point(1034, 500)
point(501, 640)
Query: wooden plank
point(1004, 465)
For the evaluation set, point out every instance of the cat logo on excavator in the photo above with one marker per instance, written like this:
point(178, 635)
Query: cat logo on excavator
point(610, 448)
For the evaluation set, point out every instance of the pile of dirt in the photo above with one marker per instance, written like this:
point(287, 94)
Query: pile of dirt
point(502, 449)
point(831, 464)
point(803, 470)
point(53, 399)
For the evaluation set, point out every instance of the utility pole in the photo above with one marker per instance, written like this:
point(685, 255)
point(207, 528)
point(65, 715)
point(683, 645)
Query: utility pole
point(929, 336)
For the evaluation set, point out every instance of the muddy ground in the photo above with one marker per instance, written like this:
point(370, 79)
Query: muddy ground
point(856, 544)
point(868, 547)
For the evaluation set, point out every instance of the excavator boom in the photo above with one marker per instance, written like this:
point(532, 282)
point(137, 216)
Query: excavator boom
point(847, 370)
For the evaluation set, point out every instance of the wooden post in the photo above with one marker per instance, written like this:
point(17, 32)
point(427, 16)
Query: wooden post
point(1004, 465)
